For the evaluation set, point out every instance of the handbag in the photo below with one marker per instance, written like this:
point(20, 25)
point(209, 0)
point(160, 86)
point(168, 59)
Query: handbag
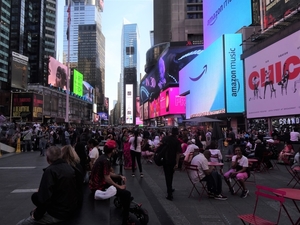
point(108, 193)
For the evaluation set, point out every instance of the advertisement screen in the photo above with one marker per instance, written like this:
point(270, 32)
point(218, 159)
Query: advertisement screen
point(272, 78)
point(129, 103)
point(171, 102)
point(146, 112)
point(57, 76)
point(88, 91)
point(77, 83)
point(166, 71)
point(273, 11)
point(19, 71)
point(204, 78)
point(224, 17)
point(37, 111)
point(154, 108)
point(22, 106)
point(141, 112)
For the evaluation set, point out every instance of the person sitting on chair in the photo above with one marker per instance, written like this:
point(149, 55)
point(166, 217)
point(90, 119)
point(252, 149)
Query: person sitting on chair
point(239, 167)
point(208, 174)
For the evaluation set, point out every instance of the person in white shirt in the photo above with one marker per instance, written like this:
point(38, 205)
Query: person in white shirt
point(191, 147)
point(294, 136)
point(136, 152)
point(94, 152)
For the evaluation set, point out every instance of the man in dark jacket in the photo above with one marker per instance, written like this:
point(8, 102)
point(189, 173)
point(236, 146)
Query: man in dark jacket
point(171, 159)
point(56, 199)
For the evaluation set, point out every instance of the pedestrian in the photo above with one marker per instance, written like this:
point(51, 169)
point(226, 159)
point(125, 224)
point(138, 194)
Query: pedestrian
point(136, 152)
point(170, 162)
point(56, 199)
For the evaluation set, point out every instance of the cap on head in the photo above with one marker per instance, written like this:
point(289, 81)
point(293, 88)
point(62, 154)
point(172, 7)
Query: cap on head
point(111, 144)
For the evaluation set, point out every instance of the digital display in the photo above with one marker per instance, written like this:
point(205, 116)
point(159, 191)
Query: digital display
point(272, 79)
point(57, 76)
point(146, 112)
point(88, 91)
point(19, 71)
point(166, 70)
point(77, 83)
point(171, 102)
point(224, 17)
point(129, 103)
point(154, 108)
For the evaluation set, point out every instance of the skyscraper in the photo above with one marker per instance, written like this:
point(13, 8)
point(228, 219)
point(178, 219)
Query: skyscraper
point(129, 56)
point(87, 44)
point(178, 21)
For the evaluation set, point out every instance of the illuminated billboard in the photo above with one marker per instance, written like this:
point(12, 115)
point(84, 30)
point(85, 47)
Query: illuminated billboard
point(215, 75)
point(77, 83)
point(19, 71)
point(166, 71)
point(171, 102)
point(88, 91)
point(57, 76)
point(146, 112)
point(273, 11)
point(272, 79)
point(129, 103)
point(224, 17)
point(154, 108)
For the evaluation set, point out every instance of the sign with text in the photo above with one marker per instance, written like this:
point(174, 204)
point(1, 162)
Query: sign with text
point(171, 102)
point(19, 71)
point(129, 103)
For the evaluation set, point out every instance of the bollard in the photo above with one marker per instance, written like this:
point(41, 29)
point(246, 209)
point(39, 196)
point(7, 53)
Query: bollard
point(18, 150)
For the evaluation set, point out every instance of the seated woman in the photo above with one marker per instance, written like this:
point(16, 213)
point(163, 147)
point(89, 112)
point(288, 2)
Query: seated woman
point(285, 154)
point(147, 150)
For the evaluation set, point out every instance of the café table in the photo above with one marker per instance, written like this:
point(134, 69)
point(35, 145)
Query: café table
point(294, 195)
point(215, 164)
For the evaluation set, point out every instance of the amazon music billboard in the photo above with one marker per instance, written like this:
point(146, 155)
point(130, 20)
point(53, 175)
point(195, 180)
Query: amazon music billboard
point(224, 17)
point(171, 102)
point(272, 78)
point(215, 79)
point(166, 70)
point(273, 11)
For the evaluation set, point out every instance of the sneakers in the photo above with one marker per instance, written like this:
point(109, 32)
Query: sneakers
point(220, 197)
point(211, 195)
point(141, 175)
point(232, 191)
point(245, 194)
point(133, 175)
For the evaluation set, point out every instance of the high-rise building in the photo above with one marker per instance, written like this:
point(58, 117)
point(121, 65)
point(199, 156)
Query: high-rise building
point(129, 55)
point(87, 44)
point(178, 21)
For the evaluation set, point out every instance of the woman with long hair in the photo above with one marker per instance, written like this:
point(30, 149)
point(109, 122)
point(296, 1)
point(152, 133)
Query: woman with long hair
point(126, 149)
point(135, 152)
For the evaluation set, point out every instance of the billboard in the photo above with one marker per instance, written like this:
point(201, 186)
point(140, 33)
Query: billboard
point(57, 74)
point(166, 71)
point(273, 11)
point(171, 102)
point(37, 108)
point(154, 108)
point(77, 83)
point(224, 17)
point(141, 112)
point(129, 103)
point(106, 104)
point(272, 79)
point(146, 112)
point(19, 71)
point(216, 71)
point(88, 91)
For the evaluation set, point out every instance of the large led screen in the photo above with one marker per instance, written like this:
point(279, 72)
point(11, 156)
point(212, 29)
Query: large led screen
point(273, 11)
point(166, 71)
point(129, 103)
point(88, 91)
point(57, 76)
point(224, 17)
point(272, 78)
point(154, 108)
point(171, 102)
point(19, 71)
point(77, 83)
point(146, 112)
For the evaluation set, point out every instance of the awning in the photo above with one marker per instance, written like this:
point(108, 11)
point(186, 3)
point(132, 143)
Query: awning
point(202, 119)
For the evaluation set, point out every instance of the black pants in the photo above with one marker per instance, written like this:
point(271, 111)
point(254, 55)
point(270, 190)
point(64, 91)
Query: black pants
point(169, 172)
point(214, 182)
point(137, 156)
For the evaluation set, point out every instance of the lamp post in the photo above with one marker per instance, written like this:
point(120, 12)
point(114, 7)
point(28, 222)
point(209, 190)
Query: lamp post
point(68, 71)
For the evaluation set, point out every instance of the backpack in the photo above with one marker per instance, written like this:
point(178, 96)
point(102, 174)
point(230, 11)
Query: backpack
point(160, 154)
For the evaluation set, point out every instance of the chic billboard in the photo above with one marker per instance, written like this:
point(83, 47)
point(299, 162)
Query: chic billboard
point(216, 71)
point(224, 17)
point(57, 76)
point(272, 78)
point(171, 102)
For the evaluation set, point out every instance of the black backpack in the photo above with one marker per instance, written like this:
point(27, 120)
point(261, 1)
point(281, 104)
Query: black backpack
point(160, 154)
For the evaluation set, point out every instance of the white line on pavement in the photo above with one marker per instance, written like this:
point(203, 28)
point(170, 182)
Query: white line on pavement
point(24, 190)
point(17, 168)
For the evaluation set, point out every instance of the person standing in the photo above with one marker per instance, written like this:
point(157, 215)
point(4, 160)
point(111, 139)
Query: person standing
point(57, 197)
point(231, 141)
point(171, 159)
point(44, 139)
point(136, 152)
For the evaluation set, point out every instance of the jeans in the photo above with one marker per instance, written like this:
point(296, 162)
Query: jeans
point(169, 172)
point(136, 155)
point(214, 182)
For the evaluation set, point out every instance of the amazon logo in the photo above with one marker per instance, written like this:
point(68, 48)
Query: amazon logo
point(201, 74)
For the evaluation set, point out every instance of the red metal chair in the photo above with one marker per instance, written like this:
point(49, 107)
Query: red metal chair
point(264, 192)
point(193, 169)
point(295, 173)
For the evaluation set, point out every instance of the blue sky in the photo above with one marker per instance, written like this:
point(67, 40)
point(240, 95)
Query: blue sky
point(115, 11)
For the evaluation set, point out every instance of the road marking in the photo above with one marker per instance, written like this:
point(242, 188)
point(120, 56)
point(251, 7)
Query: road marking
point(17, 168)
point(24, 190)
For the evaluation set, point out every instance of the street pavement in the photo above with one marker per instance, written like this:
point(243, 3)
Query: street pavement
point(20, 175)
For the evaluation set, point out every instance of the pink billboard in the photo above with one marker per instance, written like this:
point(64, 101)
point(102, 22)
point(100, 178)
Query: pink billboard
point(154, 108)
point(272, 78)
point(171, 102)
point(57, 76)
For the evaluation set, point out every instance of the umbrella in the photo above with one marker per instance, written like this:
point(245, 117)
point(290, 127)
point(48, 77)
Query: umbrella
point(202, 119)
